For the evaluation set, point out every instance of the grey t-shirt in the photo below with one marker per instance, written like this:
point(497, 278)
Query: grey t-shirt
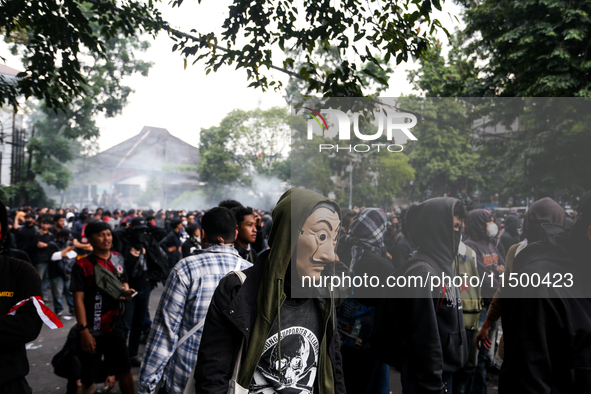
point(300, 344)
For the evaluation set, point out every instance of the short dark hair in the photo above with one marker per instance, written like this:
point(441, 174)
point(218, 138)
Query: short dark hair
point(191, 228)
point(131, 212)
point(107, 213)
point(241, 212)
point(57, 217)
point(174, 223)
point(347, 218)
point(30, 215)
point(230, 204)
point(95, 226)
point(64, 233)
point(219, 222)
point(460, 210)
point(46, 219)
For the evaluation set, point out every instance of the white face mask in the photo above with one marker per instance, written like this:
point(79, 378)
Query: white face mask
point(184, 222)
point(492, 230)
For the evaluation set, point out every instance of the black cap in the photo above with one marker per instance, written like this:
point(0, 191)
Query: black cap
point(138, 222)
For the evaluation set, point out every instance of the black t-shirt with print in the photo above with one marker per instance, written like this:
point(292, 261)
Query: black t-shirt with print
point(101, 310)
point(300, 343)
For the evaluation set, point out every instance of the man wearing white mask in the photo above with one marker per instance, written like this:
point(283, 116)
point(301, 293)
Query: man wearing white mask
point(490, 259)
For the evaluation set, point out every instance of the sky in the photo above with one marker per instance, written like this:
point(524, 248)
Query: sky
point(186, 100)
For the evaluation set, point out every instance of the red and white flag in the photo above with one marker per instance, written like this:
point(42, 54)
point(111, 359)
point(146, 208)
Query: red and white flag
point(44, 312)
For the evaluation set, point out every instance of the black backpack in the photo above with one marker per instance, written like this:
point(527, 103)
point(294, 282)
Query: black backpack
point(66, 363)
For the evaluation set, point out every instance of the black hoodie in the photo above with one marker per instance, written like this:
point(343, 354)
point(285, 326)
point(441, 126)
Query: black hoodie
point(18, 281)
point(547, 328)
point(428, 325)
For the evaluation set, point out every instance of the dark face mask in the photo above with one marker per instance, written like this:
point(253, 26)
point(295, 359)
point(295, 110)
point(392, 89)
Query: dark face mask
point(457, 239)
point(138, 236)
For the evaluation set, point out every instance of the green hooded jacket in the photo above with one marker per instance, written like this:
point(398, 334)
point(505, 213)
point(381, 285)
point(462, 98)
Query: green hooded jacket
point(248, 311)
point(289, 216)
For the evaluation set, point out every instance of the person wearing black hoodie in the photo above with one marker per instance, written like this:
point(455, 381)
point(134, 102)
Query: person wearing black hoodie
point(19, 281)
point(510, 236)
point(541, 212)
point(547, 328)
point(419, 329)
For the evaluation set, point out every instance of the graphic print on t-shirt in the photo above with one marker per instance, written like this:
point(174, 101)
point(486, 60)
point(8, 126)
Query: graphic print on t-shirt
point(299, 362)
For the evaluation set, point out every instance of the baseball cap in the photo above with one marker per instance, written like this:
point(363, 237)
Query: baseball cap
point(138, 222)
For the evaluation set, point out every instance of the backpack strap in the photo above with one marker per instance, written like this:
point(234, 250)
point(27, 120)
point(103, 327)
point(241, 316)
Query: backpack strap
point(242, 276)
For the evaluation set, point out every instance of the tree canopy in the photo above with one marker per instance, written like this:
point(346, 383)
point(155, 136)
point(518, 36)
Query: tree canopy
point(521, 49)
point(64, 134)
point(256, 36)
point(245, 144)
point(530, 48)
point(58, 36)
point(358, 31)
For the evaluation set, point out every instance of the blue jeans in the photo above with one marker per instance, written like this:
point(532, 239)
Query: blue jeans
point(485, 357)
point(59, 288)
point(134, 317)
point(42, 270)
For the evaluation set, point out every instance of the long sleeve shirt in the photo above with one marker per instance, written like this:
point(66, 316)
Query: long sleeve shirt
point(184, 303)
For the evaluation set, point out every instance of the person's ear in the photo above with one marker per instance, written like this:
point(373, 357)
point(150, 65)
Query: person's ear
point(203, 236)
point(236, 234)
point(589, 233)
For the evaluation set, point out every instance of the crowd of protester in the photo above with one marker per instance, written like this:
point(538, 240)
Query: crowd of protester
point(229, 318)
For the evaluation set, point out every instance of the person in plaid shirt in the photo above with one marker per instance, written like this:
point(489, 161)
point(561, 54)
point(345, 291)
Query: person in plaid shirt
point(184, 304)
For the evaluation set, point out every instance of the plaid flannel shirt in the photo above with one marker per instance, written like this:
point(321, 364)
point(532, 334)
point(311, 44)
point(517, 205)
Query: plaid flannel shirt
point(184, 303)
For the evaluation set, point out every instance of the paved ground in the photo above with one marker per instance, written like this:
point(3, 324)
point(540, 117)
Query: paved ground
point(40, 352)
